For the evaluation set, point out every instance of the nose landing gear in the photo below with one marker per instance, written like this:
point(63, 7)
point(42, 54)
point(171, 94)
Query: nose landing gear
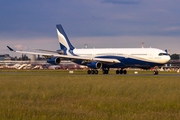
point(156, 70)
point(155, 73)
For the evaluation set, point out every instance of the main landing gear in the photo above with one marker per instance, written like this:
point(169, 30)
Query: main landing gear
point(105, 70)
point(121, 71)
point(92, 71)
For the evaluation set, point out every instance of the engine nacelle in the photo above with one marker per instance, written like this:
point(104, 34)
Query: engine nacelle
point(54, 60)
point(95, 65)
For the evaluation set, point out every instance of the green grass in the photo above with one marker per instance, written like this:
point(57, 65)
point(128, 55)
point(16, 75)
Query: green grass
point(89, 97)
point(80, 71)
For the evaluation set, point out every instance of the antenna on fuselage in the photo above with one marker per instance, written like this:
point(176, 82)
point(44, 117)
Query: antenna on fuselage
point(142, 44)
point(168, 51)
point(86, 45)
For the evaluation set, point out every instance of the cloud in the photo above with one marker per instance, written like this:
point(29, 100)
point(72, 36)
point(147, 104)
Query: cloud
point(32, 23)
point(129, 42)
point(174, 28)
point(21, 47)
point(163, 10)
point(122, 1)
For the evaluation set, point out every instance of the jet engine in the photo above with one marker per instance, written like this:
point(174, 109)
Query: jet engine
point(94, 65)
point(54, 60)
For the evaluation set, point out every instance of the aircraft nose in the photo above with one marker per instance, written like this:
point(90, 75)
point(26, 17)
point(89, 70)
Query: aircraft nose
point(168, 58)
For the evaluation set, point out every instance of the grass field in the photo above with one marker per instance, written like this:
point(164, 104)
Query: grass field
point(80, 71)
point(89, 97)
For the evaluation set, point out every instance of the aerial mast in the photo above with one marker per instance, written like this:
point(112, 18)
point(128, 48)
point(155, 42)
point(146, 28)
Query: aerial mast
point(142, 44)
point(86, 45)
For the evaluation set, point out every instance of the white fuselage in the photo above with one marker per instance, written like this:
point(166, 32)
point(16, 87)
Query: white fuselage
point(143, 54)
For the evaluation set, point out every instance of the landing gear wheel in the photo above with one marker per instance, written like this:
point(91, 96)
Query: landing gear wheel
point(125, 72)
point(121, 71)
point(96, 71)
point(92, 72)
point(105, 71)
point(89, 71)
point(155, 72)
point(117, 71)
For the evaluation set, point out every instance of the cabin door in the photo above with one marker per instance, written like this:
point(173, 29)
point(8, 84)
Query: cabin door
point(151, 55)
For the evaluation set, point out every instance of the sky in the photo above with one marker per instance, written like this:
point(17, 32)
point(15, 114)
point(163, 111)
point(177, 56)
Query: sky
point(28, 25)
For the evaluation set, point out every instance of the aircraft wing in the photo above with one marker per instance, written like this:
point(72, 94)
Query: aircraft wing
point(86, 59)
point(49, 51)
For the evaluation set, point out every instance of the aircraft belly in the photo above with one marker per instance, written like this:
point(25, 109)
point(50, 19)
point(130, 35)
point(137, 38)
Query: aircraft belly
point(117, 65)
point(138, 63)
point(125, 62)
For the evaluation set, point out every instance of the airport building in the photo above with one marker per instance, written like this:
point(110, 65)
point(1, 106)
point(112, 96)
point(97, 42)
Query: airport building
point(6, 57)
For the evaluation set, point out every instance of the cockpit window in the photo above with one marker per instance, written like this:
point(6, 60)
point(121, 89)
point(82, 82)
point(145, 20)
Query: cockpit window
point(161, 54)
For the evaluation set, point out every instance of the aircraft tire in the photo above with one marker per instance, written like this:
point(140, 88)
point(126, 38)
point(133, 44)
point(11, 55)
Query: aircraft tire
point(96, 71)
point(92, 72)
point(121, 71)
point(125, 72)
point(105, 71)
point(89, 71)
point(155, 72)
point(117, 71)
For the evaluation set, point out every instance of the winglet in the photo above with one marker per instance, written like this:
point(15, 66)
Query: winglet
point(10, 49)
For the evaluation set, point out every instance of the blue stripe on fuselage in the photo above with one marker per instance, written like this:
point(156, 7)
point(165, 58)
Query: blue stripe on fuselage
point(72, 53)
point(125, 62)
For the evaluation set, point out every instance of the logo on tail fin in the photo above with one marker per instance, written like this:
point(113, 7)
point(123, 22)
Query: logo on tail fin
point(63, 39)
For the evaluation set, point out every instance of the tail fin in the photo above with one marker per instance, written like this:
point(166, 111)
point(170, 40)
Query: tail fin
point(166, 51)
point(63, 39)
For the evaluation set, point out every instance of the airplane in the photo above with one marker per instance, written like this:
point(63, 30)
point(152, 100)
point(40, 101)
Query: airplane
point(103, 58)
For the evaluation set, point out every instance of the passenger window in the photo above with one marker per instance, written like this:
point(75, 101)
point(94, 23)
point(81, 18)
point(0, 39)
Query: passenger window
point(161, 54)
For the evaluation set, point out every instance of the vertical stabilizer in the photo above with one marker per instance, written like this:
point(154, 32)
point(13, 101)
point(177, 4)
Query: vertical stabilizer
point(63, 39)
